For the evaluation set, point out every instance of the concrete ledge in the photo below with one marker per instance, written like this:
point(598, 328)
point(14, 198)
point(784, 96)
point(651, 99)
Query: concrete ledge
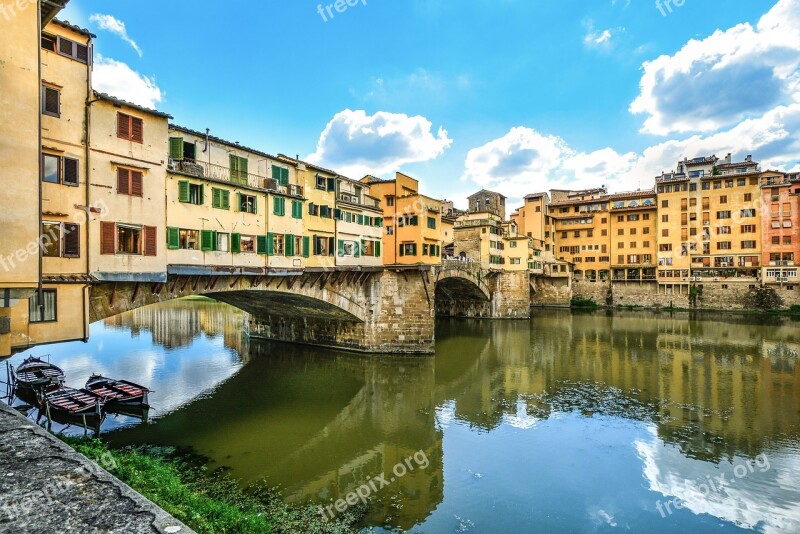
point(46, 486)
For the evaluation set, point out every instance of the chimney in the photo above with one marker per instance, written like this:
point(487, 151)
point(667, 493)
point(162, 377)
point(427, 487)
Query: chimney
point(749, 158)
point(728, 158)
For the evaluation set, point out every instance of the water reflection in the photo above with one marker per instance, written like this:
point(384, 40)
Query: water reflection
point(567, 422)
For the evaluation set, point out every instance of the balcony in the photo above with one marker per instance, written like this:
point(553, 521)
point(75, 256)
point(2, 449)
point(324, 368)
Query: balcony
point(218, 173)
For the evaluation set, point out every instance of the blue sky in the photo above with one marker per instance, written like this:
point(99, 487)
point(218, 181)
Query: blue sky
point(514, 95)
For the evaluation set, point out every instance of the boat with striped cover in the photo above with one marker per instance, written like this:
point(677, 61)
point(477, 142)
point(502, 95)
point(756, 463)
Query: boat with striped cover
point(73, 402)
point(35, 373)
point(118, 393)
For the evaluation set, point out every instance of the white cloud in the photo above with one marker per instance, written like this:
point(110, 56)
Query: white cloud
point(730, 76)
point(599, 39)
point(115, 26)
point(119, 80)
point(356, 144)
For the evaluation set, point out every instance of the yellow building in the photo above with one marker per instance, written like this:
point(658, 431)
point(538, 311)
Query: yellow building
point(412, 222)
point(229, 206)
point(319, 188)
point(128, 176)
point(633, 236)
point(56, 256)
point(709, 222)
point(518, 251)
point(478, 237)
point(582, 231)
point(359, 225)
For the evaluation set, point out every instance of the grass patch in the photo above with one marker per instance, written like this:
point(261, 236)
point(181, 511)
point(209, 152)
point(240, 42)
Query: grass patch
point(581, 303)
point(210, 501)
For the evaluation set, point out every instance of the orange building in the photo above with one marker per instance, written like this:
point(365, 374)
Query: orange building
point(412, 222)
point(781, 227)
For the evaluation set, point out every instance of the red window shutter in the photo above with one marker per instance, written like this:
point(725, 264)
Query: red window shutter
point(108, 236)
point(136, 183)
point(72, 240)
point(137, 130)
point(123, 181)
point(123, 126)
point(150, 247)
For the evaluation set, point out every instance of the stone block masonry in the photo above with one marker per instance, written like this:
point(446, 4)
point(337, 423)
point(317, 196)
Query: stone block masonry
point(48, 487)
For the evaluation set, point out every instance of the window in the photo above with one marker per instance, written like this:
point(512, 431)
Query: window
point(321, 182)
point(49, 42)
point(189, 193)
point(706, 186)
point(665, 248)
point(247, 244)
point(621, 231)
point(787, 240)
point(58, 170)
point(748, 197)
point(408, 249)
point(129, 182)
point(646, 230)
point(281, 175)
point(724, 245)
point(51, 101)
point(323, 246)
point(129, 239)
point(247, 203)
point(432, 223)
point(723, 199)
point(130, 128)
point(717, 185)
point(237, 166)
point(68, 48)
point(748, 212)
point(604, 233)
point(297, 209)
point(223, 243)
point(47, 312)
point(665, 233)
point(749, 244)
point(279, 206)
point(390, 201)
point(723, 230)
point(390, 230)
point(748, 228)
point(664, 218)
point(189, 239)
point(221, 199)
point(665, 203)
point(723, 215)
point(61, 240)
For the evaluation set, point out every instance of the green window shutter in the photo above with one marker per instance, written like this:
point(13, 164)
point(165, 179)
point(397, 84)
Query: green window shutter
point(378, 221)
point(234, 167)
point(226, 200)
point(173, 238)
point(331, 184)
point(377, 249)
point(357, 249)
point(261, 244)
point(337, 214)
point(331, 242)
point(183, 191)
point(255, 204)
point(236, 243)
point(270, 244)
point(206, 240)
point(297, 209)
point(414, 221)
point(340, 252)
point(243, 171)
point(214, 240)
point(284, 177)
point(414, 249)
point(288, 245)
point(216, 197)
point(202, 195)
point(239, 201)
point(176, 148)
point(425, 249)
point(283, 206)
point(360, 219)
point(306, 246)
point(276, 173)
point(402, 250)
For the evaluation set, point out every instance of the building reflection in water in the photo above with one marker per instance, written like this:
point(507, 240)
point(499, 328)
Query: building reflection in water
point(696, 396)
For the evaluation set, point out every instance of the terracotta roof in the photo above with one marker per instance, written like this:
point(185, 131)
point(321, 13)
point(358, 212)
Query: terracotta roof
point(120, 102)
point(76, 29)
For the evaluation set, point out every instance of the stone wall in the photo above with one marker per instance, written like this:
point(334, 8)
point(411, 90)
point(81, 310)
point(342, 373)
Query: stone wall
point(551, 292)
point(511, 295)
point(716, 295)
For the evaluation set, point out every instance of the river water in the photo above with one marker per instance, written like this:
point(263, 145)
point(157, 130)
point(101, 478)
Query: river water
point(591, 422)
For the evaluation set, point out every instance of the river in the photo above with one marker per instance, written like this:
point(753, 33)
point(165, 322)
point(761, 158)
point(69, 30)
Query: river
point(569, 422)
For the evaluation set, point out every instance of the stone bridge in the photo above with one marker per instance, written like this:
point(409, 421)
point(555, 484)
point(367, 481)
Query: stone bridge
point(389, 310)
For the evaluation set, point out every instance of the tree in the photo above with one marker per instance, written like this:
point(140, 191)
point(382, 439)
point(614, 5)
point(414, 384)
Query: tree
point(763, 298)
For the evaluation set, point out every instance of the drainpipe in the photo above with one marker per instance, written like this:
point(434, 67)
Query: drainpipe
point(40, 293)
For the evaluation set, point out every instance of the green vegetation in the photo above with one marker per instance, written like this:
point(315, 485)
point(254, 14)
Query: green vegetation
point(763, 299)
point(695, 292)
point(794, 309)
point(578, 302)
point(210, 501)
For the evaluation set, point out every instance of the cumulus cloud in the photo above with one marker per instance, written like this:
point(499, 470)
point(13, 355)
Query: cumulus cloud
point(115, 26)
point(600, 39)
point(526, 161)
point(118, 79)
point(728, 77)
point(356, 144)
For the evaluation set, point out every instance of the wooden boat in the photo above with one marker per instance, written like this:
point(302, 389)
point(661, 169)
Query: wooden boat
point(118, 393)
point(35, 373)
point(72, 402)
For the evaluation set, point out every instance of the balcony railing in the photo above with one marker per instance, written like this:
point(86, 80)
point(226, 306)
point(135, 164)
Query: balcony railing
point(219, 173)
